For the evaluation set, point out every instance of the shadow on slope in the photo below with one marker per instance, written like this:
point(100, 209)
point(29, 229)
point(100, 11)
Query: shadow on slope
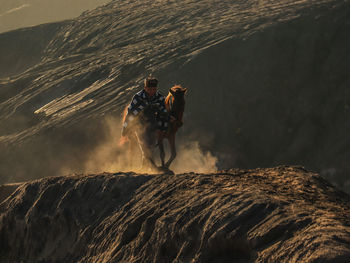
point(23, 48)
point(276, 96)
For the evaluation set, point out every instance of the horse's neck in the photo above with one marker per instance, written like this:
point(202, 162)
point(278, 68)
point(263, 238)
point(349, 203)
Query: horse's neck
point(178, 108)
point(170, 102)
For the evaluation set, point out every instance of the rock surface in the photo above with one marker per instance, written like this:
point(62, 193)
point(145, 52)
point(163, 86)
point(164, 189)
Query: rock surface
point(7, 189)
point(282, 214)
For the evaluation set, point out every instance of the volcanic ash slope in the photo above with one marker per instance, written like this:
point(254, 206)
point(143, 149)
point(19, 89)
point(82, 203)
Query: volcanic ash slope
point(283, 214)
point(268, 82)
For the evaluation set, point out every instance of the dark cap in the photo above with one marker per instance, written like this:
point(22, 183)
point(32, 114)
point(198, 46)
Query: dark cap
point(151, 82)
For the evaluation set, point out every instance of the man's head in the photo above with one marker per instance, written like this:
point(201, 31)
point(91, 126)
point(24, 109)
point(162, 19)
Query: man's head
point(151, 84)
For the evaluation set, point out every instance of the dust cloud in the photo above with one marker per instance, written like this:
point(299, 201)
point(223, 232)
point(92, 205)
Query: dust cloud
point(111, 156)
point(191, 158)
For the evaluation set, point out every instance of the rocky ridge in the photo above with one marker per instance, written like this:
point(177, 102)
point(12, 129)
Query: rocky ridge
point(282, 214)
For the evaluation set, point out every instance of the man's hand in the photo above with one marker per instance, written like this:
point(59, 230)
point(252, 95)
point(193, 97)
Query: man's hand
point(123, 140)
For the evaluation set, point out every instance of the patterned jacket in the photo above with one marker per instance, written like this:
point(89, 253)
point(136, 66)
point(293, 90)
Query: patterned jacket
point(139, 103)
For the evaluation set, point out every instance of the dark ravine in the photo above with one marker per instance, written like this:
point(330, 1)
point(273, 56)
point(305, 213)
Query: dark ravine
point(282, 214)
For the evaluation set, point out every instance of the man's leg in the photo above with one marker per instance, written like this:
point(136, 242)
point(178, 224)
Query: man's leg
point(147, 143)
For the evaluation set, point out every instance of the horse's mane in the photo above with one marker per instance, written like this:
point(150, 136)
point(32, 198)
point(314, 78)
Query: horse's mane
point(170, 98)
point(169, 101)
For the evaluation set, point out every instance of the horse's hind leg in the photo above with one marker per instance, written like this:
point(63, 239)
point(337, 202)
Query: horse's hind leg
point(161, 152)
point(172, 150)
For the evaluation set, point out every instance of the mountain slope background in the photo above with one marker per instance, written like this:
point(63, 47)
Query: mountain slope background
point(16, 14)
point(267, 84)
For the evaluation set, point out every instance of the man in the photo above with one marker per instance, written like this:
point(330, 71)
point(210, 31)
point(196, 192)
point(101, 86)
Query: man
point(147, 117)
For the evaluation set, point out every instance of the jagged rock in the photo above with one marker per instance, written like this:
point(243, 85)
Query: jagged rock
point(282, 214)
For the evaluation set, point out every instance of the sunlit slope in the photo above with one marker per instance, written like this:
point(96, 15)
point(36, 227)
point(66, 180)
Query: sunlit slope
point(27, 13)
point(266, 81)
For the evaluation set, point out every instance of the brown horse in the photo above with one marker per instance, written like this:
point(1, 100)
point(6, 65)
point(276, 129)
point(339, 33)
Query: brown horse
point(175, 105)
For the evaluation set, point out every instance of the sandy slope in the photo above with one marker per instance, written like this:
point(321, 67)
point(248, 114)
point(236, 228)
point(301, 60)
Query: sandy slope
point(26, 13)
point(282, 214)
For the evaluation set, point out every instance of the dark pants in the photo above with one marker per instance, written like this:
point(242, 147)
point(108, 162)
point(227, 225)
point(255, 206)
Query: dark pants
point(147, 140)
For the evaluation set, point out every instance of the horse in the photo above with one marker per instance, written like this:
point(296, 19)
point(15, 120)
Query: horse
point(175, 105)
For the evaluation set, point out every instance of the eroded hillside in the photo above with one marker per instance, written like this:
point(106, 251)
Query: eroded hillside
point(282, 214)
point(267, 83)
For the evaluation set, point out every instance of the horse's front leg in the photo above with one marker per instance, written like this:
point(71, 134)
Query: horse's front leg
point(172, 149)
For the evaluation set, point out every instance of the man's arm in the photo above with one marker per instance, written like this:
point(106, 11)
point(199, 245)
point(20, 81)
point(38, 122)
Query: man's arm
point(134, 108)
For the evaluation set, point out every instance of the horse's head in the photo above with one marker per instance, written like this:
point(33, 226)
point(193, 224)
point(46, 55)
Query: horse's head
point(175, 101)
point(178, 92)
